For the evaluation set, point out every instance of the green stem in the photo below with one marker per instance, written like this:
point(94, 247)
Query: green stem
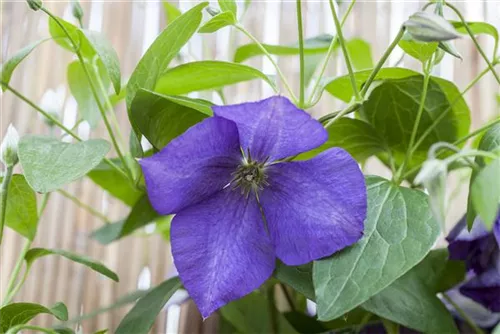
point(4, 192)
point(334, 114)
point(331, 48)
point(84, 206)
point(350, 108)
point(420, 112)
point(471, 153)
point(16, 329)
point(347, 58)
point(474, 133)
point(94, 91)
point(58, 124)
point(301, 54)
point(12, 289)
point(270, 57)
point(474, 39)
point(464, 315)
point(382, 60)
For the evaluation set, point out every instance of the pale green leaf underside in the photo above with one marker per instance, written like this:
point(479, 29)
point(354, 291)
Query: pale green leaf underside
point(21, 212)
point(399, 232)
point(20, 313)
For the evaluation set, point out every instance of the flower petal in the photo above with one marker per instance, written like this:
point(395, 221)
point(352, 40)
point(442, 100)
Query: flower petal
point(484, 289)
point(476, 247)
point(316, 207)
point(221, 249)
point(193, 166)
point(274, 128)
point(496, 229)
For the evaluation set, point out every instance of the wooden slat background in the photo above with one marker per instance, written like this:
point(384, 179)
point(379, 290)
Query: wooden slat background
point(131, 26)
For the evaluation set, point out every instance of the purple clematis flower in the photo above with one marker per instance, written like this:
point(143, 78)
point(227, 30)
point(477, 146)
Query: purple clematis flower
point(480, 249)
point(239, 204)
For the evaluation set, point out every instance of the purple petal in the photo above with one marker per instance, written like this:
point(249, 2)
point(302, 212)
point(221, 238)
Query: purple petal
point(476, 247)
point(221, 249)
point(316, 207)
point(496, 229)
point(193, 166)
point(274, 128)
point(484, 289)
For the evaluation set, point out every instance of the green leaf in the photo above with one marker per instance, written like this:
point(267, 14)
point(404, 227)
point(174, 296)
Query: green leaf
point(171, 12)
point(411, 300)
point(298, 278)
point(49, 164)
point(479, 28)
point(167, 45)
point(341, 88)
point(490, 142)
point(129, 298)
point(90, 43)
point(217, 22)
point(355, 136)
point(311, 62)
point(496, 330)
point(161, 118)
point(21, 212)
point(229, 6)
point(20, 313)
point(80, 89)
point(115, 183)
point(304, 323)
point(36, 253)
point(252, 314)
point(485, 191)
point(142, 214)
point(418, 50)
point(10, 64)
point(399, 231)
point(205, 75)
point(108, 56)
point(392, 109)
point(360, 53)
point(314, 45)
point(142, 316)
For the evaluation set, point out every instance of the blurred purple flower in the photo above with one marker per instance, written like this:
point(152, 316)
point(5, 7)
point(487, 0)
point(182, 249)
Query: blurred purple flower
point(239, 204)
point(480, 249)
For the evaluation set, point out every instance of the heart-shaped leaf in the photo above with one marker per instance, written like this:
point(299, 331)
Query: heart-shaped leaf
point(399, 231)
point(49, 164)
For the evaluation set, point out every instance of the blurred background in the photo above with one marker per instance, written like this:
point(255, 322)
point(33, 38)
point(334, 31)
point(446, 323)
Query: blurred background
point(144, 260)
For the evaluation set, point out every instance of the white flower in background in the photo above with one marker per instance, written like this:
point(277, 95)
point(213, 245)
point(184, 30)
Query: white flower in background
point(53, 101)
point(8, 149)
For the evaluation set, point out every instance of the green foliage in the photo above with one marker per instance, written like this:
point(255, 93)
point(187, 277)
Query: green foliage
point(479, 28)
point(360, 52)
point(155, 61)
point(422, 51)
point(205, 75)
point(49, 164)
point(357, 137)
point(20, 313)
point(36, 253)
point(21, 211)
point(399, 231)
point(80, 89)
point(252, 314)
point(485, 192)
point(411, 300)
point(142, 214)
point(217, 22)
point(229, 6)
point(10, 64)
point(115, 183)
point(161, 118)
point(298, 277)
point(142, 316)
point(171, 12)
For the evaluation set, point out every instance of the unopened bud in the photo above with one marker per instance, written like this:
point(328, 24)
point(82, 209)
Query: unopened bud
point(213, 11)
point(431, 169)
point(8, 149)
point(433, 176)
point(450, 49)
point(429, 27)
point(35, 4)
point(77, 10)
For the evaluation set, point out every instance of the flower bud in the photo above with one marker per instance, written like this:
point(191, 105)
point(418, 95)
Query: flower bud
point(8, 149)
point(429, 27)
point(213, 11)
point(35, 4)
point(450, 49)
point(76, 10)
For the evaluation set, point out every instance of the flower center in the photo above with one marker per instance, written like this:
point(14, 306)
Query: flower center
point(250, 176)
